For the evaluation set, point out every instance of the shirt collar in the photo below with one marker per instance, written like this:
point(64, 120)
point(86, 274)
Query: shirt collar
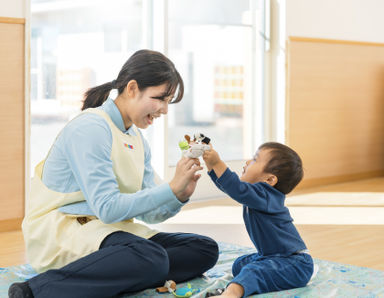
point(113, 112)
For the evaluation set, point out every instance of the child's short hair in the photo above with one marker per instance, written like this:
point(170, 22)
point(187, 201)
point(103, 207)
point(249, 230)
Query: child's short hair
point(285, 164)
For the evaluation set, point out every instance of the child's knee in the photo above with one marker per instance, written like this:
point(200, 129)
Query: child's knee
point(240, 262)
point(236, 267)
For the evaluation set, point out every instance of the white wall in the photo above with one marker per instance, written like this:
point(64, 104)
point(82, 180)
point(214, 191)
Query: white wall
point(358, 20)
point(13, 8)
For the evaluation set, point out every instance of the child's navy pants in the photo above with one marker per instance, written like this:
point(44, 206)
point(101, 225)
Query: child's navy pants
point(261, 274)
point(127, 263)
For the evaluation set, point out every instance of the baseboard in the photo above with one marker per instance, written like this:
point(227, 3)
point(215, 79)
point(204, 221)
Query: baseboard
point(308, 183)
point(10, 224)
point(7, 20)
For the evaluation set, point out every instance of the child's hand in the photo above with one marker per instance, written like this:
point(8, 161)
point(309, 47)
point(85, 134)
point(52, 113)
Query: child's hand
point(213, 162)
point(211, 158)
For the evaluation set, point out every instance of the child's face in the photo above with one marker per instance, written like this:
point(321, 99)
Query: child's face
point(253, 171)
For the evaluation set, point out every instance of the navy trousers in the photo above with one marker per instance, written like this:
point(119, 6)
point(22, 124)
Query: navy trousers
point(260, 274)
point(126, 263)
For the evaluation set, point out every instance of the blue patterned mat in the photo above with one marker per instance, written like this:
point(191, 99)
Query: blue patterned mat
point(330, 279)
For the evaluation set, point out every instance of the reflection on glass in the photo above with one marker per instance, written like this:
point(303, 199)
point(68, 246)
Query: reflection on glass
point(75, 45)
point(210, 43)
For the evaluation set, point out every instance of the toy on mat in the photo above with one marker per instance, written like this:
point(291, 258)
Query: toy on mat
point(187, 291)
point(196, 147)
point(170, 286)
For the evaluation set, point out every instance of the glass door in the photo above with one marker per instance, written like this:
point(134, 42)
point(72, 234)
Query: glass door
point(217, 45)
point(214, 45)
point(76, 45)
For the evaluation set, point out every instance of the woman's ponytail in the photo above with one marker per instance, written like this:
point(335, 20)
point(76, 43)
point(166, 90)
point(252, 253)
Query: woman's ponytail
point(148, 68)
point(95, 97)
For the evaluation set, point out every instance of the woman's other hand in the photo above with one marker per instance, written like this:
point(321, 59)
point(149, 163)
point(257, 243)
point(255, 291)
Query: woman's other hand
point(184, 182)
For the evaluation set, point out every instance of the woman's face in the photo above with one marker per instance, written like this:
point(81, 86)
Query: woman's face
point(143, 107)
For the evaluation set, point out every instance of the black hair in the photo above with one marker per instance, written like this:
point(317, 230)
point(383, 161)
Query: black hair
point(285, 164)
point(148, 68)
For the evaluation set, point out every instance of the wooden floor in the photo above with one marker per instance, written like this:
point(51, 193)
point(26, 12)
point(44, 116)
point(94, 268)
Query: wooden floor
point(359, 245)
point(12, 250)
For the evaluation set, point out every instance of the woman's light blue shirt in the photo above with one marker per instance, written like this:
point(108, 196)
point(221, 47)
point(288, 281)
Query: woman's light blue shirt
point(80, 160)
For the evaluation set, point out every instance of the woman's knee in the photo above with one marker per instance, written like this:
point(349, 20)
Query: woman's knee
point(207, 247)
point(151, 257)
point(155, 256)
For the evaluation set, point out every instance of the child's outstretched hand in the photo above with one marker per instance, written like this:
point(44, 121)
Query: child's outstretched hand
point(213, 162)
point(211, 157)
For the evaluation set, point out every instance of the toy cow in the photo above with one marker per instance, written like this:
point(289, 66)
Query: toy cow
point(196, 147)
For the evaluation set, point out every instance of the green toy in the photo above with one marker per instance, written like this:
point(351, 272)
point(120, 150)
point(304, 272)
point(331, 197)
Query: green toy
point(184, 145)
point(170, 286)
point(187, 291)
point(194, 148)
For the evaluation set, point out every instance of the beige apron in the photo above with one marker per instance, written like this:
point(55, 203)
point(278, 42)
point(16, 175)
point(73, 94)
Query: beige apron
point(54, 239)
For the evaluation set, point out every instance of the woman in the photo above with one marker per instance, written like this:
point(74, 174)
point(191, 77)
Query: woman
point(79, 229)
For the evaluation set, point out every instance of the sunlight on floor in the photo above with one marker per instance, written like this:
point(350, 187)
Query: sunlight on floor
point(301, 215)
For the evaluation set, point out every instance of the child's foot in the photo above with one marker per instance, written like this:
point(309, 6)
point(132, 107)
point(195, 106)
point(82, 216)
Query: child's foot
point(225, 295)
point(215, 293)
point(234, 290)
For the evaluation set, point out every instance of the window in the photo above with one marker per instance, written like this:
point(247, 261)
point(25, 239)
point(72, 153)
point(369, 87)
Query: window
point(75, 45)
point(217, 45)
point(211, 43)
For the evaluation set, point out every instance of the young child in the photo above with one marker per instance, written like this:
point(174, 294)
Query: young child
point(282, 260)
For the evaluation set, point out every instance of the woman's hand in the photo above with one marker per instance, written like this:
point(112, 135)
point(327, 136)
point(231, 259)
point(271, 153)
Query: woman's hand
point(184, 182)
